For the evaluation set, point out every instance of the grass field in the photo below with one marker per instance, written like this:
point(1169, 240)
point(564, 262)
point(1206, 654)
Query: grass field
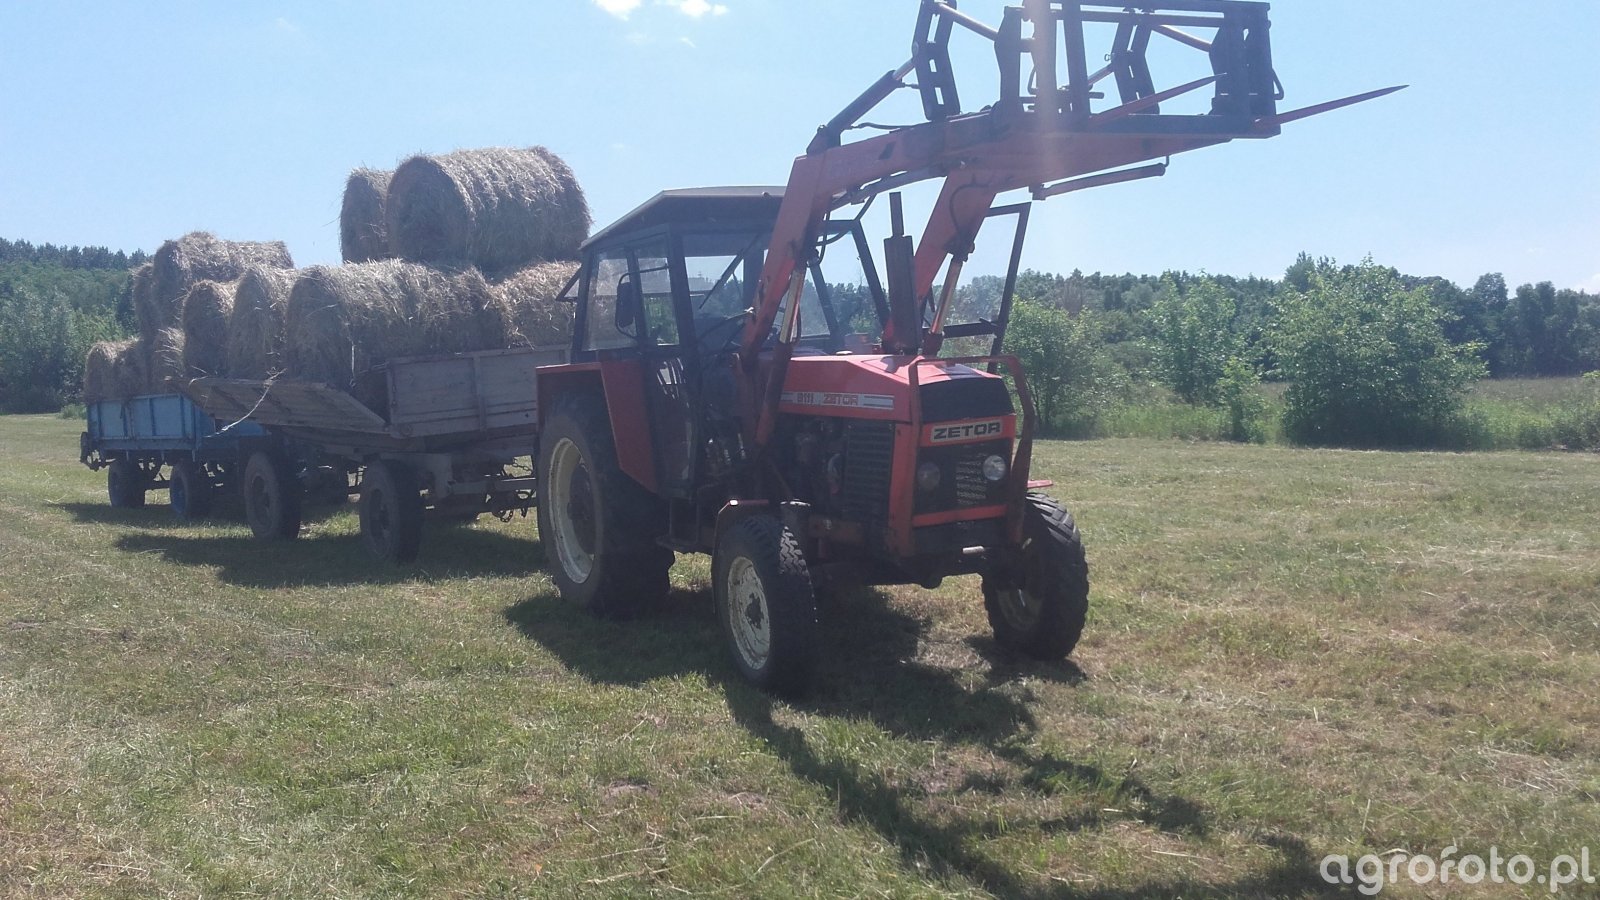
point(1290, 654)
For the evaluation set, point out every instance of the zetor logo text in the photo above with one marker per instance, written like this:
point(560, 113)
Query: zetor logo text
point(967, 431)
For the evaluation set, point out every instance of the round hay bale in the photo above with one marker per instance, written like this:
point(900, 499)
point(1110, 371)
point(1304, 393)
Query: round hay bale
point(498, 209)
point(534, 317)
point(341, 322)
point(145, 311)
point(206, 310)
point(100, 371)
point(363, 233)
point(132, 370)
point(193, 258)
point(166, 361)
point(255, 328)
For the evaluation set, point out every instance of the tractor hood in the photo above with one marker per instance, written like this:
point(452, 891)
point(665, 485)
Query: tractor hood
point(879, 387)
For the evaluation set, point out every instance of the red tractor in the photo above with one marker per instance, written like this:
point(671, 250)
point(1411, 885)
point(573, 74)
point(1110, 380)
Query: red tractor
point(727, 395)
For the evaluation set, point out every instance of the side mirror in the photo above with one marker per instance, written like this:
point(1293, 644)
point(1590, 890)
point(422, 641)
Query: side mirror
point(628, 300)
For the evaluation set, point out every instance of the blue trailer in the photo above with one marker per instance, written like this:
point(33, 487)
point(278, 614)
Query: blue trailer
point(166, 441)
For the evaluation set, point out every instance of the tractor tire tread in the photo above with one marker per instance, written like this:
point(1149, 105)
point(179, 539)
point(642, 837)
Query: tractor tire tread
point(795, 629)
point(1062, 569)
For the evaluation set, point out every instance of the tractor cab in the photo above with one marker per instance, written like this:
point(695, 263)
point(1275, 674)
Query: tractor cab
point(678, 277)
point(663, 300)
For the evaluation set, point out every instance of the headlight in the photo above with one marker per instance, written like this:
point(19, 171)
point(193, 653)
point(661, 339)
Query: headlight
point(929, 475)
point(995, 468)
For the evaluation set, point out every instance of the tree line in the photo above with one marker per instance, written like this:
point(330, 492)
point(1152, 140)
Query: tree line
point(69, 257)
point(1371, 356)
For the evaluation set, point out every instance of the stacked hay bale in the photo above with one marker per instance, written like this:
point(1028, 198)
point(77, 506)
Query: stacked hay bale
point(515, 215)
point(182, 301)
point(255, 327)
point(498, 209)
point(199, 256)
point(206, 310)
point(142, 286)
point(211, 307)
point(114, 370)
point(342, 322)
point(528, 302)
point(166, 361)
point(363, 231)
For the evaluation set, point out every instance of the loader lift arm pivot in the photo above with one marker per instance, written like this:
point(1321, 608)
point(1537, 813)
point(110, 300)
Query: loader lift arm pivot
point(1043, 134)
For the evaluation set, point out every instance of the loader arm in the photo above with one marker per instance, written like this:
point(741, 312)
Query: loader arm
point(1043, 134)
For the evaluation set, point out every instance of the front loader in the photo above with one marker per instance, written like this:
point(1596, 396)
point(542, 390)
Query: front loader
point(727, 396)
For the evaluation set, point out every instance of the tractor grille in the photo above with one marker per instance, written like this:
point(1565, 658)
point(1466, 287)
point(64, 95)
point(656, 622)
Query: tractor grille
point(962, 485)
point(868, 468)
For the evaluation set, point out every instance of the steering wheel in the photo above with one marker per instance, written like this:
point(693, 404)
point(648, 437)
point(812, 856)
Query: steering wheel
point(706, 334)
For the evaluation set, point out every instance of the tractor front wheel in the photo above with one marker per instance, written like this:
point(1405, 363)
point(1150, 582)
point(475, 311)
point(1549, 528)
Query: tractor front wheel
point(764, 597)
point(1038, 599)
point(598, 526)
point(271, 497)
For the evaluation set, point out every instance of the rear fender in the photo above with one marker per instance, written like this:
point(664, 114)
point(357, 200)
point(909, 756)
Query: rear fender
point(618, 383)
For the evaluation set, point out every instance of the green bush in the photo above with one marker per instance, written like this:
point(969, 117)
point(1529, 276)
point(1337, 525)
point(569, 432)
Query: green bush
point(1368, 361)
point(1239, 393)
point(1194, 338)
point(1073, 379)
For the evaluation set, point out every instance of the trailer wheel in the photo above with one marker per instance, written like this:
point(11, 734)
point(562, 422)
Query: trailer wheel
point(271, 497)
point(189, 490)
point(597, 525)
point(767, 605)
point(391, 511)
point(125, 484)
point(1038, 602)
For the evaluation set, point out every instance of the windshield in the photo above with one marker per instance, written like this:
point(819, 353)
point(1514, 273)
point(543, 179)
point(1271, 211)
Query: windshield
point(722, 269)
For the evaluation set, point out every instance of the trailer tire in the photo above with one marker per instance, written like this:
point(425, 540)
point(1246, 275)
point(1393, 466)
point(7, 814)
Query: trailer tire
point(1038, 603)
point(125, 484)
point(598, 526)
point(189, 490)
point(767, 605)
point(391, 511)
point(272, 501)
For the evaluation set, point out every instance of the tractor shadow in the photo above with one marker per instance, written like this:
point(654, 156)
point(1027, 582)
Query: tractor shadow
point(871, 671)
point(341, 559)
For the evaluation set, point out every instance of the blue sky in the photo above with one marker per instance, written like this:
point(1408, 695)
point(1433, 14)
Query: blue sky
point(124, 124)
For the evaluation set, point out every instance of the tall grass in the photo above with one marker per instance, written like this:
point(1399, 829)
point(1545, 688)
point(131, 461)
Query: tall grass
point(1508, 414)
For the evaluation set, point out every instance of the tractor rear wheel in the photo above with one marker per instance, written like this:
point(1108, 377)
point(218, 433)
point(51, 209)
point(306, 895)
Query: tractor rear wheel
point(125, 484)
point(391, 511)
point(598, 526)
point(1037, 603)
point(189, 490)
point(271, 497)
point(767, 605)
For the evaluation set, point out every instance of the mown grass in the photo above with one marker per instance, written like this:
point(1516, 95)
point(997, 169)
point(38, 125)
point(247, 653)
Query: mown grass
point(1290, 654)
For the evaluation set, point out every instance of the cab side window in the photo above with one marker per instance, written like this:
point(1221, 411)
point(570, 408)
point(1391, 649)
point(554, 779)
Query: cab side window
point(660, 325)
point(611, 272)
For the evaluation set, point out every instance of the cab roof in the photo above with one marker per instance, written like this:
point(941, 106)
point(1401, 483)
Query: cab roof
point(700, 205)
